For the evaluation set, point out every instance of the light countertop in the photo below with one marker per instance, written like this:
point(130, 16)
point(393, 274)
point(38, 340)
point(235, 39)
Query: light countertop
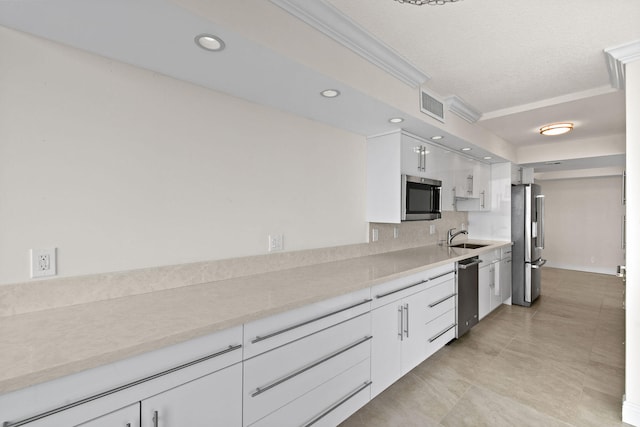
point(49, 344)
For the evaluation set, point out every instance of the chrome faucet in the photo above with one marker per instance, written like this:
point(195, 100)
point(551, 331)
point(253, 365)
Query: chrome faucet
point(451, 234)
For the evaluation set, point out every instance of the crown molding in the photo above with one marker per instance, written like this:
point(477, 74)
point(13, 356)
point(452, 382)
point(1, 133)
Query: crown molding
point(617, 57)
point(330, 21)
point(462, 109)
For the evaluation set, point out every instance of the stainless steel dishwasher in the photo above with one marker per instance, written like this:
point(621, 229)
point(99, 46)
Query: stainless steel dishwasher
point(467, 274)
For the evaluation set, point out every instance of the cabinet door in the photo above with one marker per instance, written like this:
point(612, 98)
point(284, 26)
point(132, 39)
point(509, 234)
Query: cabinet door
point(125, 417)
point(495, 286)
point(414, 326)
point(484, 291)
point(413, 157)
point(386, 349)
point(505, 279)
point(482, 186)
point(212, 400)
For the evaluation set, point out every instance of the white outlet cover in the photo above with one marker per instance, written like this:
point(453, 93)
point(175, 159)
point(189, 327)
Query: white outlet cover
point(276, 242)
point(43, 262)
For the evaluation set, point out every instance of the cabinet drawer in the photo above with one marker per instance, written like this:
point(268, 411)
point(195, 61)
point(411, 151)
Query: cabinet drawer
point(396, 289)
point(266, 334)
point(440, 331)
point(488, 257)
point(439, 299)
point(280, 376)
point(328, 404)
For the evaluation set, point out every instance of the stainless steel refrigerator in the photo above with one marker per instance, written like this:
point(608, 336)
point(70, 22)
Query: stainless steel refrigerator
point(527, 234)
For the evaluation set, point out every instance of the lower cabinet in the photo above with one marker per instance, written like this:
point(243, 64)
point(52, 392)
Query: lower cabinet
point(213, 400)
point(408, 330)
point(303, 380)
point(125, 417)
point(494, 280)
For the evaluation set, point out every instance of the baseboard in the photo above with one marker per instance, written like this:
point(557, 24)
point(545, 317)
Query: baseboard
point(631, 413)
point(587, 269)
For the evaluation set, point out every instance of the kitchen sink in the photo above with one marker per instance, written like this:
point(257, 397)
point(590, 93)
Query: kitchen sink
point(467, 246)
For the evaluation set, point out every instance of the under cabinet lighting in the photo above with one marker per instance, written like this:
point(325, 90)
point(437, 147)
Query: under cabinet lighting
point(487, 157)
point(436, 137)
point(466, 149)
point(210, 42)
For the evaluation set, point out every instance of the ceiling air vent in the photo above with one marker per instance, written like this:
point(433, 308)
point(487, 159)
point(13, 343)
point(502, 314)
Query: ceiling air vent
point(431, 106)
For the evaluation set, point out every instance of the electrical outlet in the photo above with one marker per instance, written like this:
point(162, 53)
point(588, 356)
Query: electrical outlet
point(374, 234)
point(396, 233)
point(276, 242)
point(43, 262)
point(432, 229)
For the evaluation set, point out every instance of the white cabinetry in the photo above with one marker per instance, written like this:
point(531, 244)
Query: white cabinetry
point(305, 364)
point(494, 280)
point(487, 298)
point(412, 318)
point(388, 157)
point(196, 383)
point(473, 185)
point(213, 400)
point(505, 274)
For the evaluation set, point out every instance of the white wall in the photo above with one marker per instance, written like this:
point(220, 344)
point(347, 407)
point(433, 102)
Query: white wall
point(122, 168)
point(584, 223)
point(631, 405)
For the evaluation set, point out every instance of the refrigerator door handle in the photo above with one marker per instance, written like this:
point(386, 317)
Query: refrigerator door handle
point(539, 263)
point(540, 221)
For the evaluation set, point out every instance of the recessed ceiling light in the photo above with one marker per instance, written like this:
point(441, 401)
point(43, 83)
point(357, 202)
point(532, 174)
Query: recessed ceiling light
point(330, 93)
point(556, 129)
point(396, 120)
point(487, 157)
point(437, 137)
point(466, 149)
point(210, 42)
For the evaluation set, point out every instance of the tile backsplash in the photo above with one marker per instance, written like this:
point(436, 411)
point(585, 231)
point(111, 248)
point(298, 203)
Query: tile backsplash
point(416, 233)
point(39, 295)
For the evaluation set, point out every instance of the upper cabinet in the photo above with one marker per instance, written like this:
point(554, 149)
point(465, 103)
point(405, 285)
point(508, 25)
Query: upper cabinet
point(466, 182)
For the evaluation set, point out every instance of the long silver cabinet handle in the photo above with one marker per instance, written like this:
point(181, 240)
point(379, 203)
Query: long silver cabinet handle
point(306, 322)
point(441, 300)
point(155, 418)
point(406, 313)
point(402, 289)
point(441, 275)
point(444, 331)
point(260, 390)
point(340, 403)
point(118, 389)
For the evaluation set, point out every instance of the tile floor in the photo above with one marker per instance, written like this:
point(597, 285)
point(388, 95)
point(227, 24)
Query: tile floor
point(557, 363)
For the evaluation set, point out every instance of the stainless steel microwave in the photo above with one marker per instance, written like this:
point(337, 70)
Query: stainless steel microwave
point(420, 198)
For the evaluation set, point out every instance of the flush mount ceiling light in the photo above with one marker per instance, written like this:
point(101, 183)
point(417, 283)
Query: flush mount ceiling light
point(210, 42)
point(429, 2)
point(436, 137)
point(330, 93)
point(487, 157)
point(556, 129)
point(396, 120)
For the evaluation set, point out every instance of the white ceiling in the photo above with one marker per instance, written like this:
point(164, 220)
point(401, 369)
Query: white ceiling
point(521, 64)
